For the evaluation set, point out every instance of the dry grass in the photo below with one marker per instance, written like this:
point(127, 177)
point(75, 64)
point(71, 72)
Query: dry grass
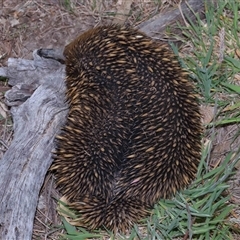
point(30, 25)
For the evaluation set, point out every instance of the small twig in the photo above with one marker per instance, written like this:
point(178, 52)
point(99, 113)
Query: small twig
point(192, 220)
point(3, 143)
point(40, 221)
point(181, 12)
point(221, 44)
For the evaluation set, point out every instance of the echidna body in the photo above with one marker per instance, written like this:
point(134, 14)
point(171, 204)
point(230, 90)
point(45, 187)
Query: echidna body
point(133, 130)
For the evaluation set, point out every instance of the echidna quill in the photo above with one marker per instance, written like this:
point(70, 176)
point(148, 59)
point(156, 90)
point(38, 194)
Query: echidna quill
point(133, 131)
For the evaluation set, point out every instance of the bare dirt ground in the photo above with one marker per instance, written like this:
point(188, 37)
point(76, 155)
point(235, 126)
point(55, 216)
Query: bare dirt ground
point(50, 24)
point(29, 25)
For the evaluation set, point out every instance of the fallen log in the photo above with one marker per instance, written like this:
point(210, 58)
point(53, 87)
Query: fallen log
point(36, 122)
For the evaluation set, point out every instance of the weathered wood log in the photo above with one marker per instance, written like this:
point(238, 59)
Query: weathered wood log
point(155, 27)
point(38, 110)
point(36, 122)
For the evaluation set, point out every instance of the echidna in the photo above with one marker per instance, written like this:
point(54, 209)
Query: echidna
point(133, 132)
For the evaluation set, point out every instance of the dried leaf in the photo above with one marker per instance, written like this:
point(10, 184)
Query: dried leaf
point(123, 9)
point(14, 22)
point(237, 51)
point(207, 114)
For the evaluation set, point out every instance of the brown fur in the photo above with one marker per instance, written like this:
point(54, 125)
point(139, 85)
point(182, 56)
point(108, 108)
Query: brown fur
point(133, 130)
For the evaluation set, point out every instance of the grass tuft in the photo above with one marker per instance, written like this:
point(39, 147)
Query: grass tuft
point(203, 210)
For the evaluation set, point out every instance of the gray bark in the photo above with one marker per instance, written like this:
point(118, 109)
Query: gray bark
point(36, 122)
point(156, 26)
